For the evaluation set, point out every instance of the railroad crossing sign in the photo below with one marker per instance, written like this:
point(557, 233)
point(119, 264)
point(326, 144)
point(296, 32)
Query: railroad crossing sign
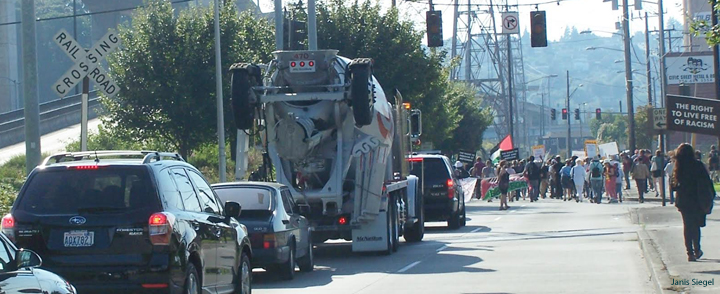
point(660, 118)
point(510, 24)
point(86, 63)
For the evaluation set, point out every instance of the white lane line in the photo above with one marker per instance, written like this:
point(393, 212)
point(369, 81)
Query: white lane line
point(523, 205)
point(409, 266)
point(441, 248)
point(497, 218)
point(513, 211)
point(476, 230)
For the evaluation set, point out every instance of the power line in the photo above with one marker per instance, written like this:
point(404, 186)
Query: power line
point(91, 13)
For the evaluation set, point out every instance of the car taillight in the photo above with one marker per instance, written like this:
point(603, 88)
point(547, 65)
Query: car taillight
point(269, 241)
point(415, 159)
point(84, 167)
point(451, 188)
point(8, 226)
point(160, 228)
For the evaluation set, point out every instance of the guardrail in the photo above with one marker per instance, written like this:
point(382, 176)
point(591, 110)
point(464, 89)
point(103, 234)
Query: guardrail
point(13, 122)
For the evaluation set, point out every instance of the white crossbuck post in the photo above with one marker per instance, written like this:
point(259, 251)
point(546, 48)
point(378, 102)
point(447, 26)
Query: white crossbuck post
point(86, 68)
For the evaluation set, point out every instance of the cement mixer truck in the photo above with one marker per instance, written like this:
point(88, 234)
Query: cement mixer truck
point(332, 136)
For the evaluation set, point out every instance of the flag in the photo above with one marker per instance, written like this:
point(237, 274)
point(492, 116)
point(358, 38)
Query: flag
point(504, 145)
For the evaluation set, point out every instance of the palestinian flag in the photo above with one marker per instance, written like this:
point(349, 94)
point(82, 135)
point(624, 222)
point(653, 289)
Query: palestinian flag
point(504, 145)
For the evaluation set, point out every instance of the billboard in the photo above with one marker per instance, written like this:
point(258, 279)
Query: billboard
point(690, 69)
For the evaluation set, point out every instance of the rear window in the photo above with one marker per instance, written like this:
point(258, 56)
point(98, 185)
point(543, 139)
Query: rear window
point(250, 198)
point(105, 189)
point(434, 168)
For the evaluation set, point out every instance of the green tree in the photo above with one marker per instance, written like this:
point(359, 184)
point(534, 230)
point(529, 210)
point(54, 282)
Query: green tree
point(400, 62)
point(644, 132)
point(471, 120)
point(166, 74)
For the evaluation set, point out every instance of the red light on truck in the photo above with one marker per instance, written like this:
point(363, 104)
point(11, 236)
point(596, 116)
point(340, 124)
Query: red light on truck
point(342, 220)
point(311, 63)
point(293, 64)
point(302, 63)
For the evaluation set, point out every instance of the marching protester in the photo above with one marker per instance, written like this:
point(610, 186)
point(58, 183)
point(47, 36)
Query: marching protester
point(656, 169)
point(695, 194)
point(596, 179)
point(460, 171)
point(640, 173)
point(611, 175)
point(714, 164)
point(577, 173)
point(532, 172)
point(619, 181)
point(478, 168)
point(557, 182)
point(565, 178)
point(626, 165)
point(488, 171)
point(669, 168)
point(544, 178)
point(504, 183)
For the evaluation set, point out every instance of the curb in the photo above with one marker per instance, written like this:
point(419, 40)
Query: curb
point(653, 260)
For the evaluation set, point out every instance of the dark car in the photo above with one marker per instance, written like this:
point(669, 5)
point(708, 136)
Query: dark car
point(280, 236)
point(443, 198)
point(19, 272)
point(131, 222)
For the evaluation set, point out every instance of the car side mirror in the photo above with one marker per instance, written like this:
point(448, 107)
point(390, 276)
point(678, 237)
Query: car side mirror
point(27, 258)
point(232, 209)
point(304, 209)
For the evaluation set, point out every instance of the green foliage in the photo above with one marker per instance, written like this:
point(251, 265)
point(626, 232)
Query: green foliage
point(366, 30)
point(644, 132)
point(611, 128)
point(166, 74)
point(470, 119)
point(106, 139)
point(206, 159)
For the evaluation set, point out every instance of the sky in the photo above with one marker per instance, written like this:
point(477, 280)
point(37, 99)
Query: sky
point(594, 15)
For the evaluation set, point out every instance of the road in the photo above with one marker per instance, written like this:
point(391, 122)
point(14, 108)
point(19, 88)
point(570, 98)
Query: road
point(544, 247)
point(49, 143)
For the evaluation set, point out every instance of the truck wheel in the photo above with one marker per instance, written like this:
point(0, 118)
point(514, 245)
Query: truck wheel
point(243, 77)
point(395, 228)
point(307, 262)
point(389, 233)
point(361, 90)
point(417, 232)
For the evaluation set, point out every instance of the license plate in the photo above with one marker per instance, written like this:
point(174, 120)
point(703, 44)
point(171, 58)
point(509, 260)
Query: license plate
point(81, 238)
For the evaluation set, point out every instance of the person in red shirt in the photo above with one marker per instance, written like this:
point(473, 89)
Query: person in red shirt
point(478, 167)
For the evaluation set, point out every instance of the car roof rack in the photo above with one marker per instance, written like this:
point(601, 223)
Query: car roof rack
point(148, 156)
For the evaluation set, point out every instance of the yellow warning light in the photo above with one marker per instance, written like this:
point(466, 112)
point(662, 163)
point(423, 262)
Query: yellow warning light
point(406, 105)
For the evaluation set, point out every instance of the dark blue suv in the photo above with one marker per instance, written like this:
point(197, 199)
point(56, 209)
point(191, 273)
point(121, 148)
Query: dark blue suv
point(131, 222)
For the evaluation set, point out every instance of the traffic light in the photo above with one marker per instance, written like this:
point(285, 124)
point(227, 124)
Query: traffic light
point(553, 115)
point(598, 113)
point(295, 33)
point(434, 28)
point(564, 114)
point(577, 114)
point(538, 33)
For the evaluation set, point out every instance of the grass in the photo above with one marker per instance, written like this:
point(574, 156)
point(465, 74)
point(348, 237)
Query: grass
point(717, 187)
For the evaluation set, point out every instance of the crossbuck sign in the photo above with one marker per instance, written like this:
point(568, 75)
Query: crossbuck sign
point(86, 63)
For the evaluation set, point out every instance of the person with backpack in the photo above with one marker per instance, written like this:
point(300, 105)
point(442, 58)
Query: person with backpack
point(596, 179)
point(577, 173)
point(566, 179)
point(532, 173)
point(694, 197)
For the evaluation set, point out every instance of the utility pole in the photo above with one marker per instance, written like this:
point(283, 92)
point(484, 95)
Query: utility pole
point(647, 61)
point(716, 62)
point(32, 109)
point(468, 46)
point(628, 77)
point(663, 80)
point(453, 49)
point(219, 96)
point(567, 106)
point(278, 25)
point(312, 26)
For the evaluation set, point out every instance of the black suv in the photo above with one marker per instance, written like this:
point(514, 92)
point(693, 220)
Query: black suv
point(443, 198)
point(131, 222)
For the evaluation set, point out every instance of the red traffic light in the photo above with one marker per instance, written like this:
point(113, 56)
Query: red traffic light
point(564, 111)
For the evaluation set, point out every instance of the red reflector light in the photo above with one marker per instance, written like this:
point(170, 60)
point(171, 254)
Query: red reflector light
point(302, 63)
point(8, 222)
point(342, 220)
point(158, 219)
point(416, 159)
point(293, 64)
point(311, 63)
point(84, 167)
point(154, 286)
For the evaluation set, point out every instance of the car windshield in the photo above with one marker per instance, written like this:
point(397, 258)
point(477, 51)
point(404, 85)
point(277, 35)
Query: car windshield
point(250, 198)
point(103, 190)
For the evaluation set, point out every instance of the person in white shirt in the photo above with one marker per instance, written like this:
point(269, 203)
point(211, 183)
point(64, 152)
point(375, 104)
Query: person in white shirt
point(577, 173)
point(669, 168)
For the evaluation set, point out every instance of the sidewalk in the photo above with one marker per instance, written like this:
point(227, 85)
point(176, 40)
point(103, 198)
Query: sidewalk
point(661, 237)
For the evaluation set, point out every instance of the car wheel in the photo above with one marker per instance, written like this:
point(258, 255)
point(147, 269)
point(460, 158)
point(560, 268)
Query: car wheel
point(244, 279)
point(464, 216)
point(192, 280)
point(287, 269)
point(307, 262)
point(454, 221)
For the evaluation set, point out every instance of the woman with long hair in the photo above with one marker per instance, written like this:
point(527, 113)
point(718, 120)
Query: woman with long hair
point(692, 185)
point(504, 183)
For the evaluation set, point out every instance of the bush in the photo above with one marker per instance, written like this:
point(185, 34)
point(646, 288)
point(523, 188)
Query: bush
point(206, 160)
point(106, 139)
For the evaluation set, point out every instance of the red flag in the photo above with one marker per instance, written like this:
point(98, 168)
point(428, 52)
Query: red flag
point(506, 144)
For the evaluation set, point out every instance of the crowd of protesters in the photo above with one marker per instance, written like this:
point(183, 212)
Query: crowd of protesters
point(587, 179)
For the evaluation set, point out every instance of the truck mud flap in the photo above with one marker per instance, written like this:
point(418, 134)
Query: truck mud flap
point(371, 236)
